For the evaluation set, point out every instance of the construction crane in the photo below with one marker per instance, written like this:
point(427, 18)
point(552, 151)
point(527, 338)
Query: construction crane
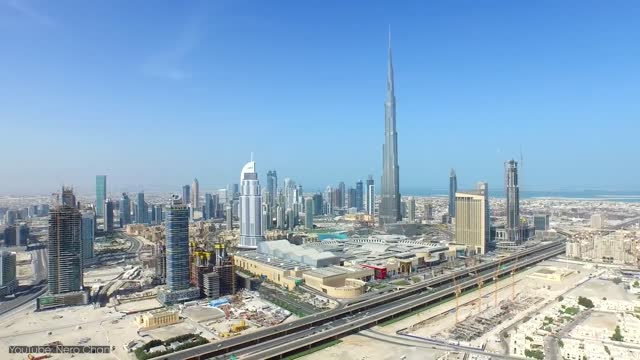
point(480, 283)
point(457, 292)
point(513, 279)
point(495, 282)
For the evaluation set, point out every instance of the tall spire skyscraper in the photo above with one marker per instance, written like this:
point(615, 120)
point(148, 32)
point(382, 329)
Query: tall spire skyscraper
point(512, 193)
point(453, 188)
point(390, 203)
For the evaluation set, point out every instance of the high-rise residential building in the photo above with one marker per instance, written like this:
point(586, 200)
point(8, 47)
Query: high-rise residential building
point(101, 194)
point(178, 287)
point(177, 245)
point(308, 213)
point(250, 207)
point(66, 197)
point(33, 211)
point(342, 195)
point(141, 215)
point(371, 200)
point(186, 194)
point(370, 195)
point(329, 200)
point(108, 216)
point(229, 217)
point(411, 210)
point(267, 217)
point(10, 217)
point(43, 210)
point(352, 198)
point(359, 195)
point(88, 234)
point(317, 204)
point(208, 207)
point(389, 211)
point(541, 222)
point(125, 210)
point(272, 187)
point(236, 191)
point(290, 193)
point(65, 246)
point(8, 279)
point(157, 214)
point(428, 211)
point(195, 194)
point(512, 193)
point(215, 205)
point(473, 222)
point(291, 219)
point(22, 234)
point(453, 188)
point(280, 217)
point(598, 221)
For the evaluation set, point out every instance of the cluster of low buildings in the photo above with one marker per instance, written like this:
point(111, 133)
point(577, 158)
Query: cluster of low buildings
point(591, 335)
point(619, 247)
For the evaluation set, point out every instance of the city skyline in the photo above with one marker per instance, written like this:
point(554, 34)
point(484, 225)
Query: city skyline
point(538, 95)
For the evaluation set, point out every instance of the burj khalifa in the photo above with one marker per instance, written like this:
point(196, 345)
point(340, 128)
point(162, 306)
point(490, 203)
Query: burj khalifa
point(389, 211)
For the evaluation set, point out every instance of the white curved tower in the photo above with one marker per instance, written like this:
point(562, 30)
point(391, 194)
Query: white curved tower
point(250, 207)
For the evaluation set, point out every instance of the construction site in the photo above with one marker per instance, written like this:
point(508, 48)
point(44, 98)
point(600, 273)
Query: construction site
point(242, 313)
point(476, 318)
point(489, 317)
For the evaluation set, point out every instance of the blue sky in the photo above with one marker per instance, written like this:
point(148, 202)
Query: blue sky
point(154, 93)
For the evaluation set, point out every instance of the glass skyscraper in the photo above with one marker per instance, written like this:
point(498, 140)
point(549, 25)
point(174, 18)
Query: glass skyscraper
point(390, 211)
point(453, 188)
point(177, 245)
point(186, 194)
point(512, 193)
point(88, 234)
point(125, 210)
point(370, 196)
point(250, 207)
point(141, 208)
point(360, 195)
point(308, 213)
point(101, 194)
point(65, 246)
point(108, 216)
point(272, 187)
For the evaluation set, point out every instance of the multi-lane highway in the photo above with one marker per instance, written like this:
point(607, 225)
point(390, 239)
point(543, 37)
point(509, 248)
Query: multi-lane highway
point(332, 330)
point(27, 293)
point(306, 332)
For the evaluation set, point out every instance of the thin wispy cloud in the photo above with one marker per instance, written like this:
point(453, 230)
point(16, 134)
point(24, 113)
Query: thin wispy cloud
point(29, 11)
point(169, 64)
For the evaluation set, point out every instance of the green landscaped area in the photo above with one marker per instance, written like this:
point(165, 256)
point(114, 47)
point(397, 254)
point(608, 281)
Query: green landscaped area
point(313, 349)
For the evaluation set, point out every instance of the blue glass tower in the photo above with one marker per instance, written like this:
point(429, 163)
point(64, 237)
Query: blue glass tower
point(88, 234)
point(141, 215)
point(453, 188)
point(101, 194)
point(125, 210)
point(177, 245)
point(359, 195)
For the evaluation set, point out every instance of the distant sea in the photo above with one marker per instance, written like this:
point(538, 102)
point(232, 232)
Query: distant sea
point(594, 195)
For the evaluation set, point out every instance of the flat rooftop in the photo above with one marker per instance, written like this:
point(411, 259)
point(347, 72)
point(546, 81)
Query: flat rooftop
point(274, 261)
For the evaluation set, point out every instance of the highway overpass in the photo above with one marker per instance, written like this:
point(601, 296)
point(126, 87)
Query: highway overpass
point(289, 338)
